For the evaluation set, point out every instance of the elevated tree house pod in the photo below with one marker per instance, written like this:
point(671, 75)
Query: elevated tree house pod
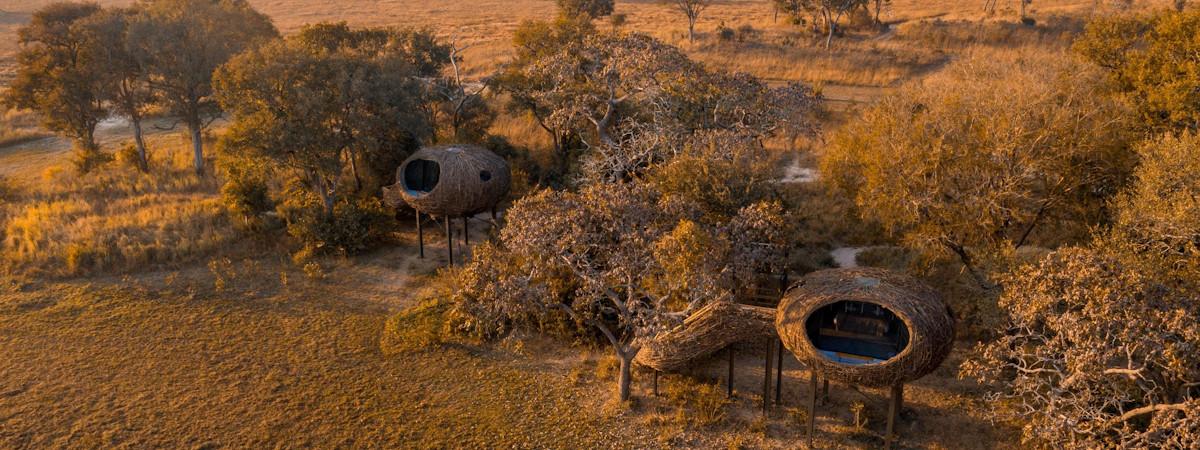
point(865, 326)
point(450, 181)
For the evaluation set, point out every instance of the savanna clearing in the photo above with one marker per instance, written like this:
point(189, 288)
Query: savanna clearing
point(138, 311)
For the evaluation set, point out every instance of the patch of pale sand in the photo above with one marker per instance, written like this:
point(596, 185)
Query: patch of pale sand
point(795, 173)
point(846, 257)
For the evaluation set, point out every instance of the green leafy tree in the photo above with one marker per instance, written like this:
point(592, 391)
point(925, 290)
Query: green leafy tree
point(127, 87)
point(1155, 60)
point(992, 155)
point(182, 42)
point(321, 103)
point(59, 78)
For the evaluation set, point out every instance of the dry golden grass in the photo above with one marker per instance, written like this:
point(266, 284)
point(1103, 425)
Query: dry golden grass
point(486, 26)
point(115, 218)
point(168, 362)
point(253, 352)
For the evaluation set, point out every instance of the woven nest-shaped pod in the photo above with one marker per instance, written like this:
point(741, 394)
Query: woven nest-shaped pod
point(705, 332)
point(866, 326)
point(450, 180)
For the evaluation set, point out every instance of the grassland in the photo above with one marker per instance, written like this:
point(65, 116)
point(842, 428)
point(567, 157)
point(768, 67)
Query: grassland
point(136, 315)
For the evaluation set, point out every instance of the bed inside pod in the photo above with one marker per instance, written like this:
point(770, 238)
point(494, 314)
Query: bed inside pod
point(421, 176)
point(856, 332)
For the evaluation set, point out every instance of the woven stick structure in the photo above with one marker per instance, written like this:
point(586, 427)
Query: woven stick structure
point(705, 332)
point(450, 181)
point(929, 323)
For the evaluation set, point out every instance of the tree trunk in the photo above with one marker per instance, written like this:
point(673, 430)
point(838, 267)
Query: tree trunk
point(829, 29)
point(691, 29)
point(354, 170)
point(197, 147)
point(140, 143)
point(623, 381)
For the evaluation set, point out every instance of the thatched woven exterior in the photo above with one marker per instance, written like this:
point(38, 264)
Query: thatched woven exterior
point(929, 322)
point(470, 180)
point(705, 332)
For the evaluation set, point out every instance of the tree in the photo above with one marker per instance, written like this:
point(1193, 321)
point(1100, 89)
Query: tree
point(182, 42)
point(526, 89)
point(691, 9)
point(124, 77)
point(990, 156)
point(587, 8)
point(617, 258)
point(1155, 61)
point(1098, 354)
point(1157, 220)
point(59, 79)
point(830, 12)
point(321, 102)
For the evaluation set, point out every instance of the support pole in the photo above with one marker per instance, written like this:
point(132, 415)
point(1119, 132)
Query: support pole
point(766, 395)
point(894, 406)
point(656, 383)
point(420, 236)
point(824, 391)
point(779, 375)
point(729, 379)
point(449, 241)
point(466, 234)
point(812, 406)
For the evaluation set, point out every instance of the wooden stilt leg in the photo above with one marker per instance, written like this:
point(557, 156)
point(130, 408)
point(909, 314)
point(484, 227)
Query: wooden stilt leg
point(812, 406)
point(779, 374)
point(656, 383)
point(824, 391)
point(729, 379)
point(466, 234)
point(449, 241)
point(766, 395)
point(894, 406)
point(420, 236)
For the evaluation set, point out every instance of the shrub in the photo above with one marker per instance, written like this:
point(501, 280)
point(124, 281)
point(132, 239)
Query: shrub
point(353, 227)
point(725, 34)
point(746, 32)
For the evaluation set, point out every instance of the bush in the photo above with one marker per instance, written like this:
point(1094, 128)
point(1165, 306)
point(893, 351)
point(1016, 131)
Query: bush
point(247, 198)
point(725, 34)
point(354, 226)
point(86, 161)
point(746, 32)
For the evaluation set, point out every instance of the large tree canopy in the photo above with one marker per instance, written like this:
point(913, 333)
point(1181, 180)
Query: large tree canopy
point(324, 100)
point(182, 42)
point(59, 75)
point(1155, 60)
point(987, 157)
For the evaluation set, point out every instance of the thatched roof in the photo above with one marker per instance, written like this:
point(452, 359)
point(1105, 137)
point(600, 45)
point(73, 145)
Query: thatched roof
point(450, 180)
point(929, 323)
point(705, 332)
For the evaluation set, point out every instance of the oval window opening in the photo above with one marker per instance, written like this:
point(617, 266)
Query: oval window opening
point(856, 333)
point(485, 175)
point(421, 175)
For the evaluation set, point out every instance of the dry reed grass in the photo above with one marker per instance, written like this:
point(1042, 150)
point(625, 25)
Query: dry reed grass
point(115, 218)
